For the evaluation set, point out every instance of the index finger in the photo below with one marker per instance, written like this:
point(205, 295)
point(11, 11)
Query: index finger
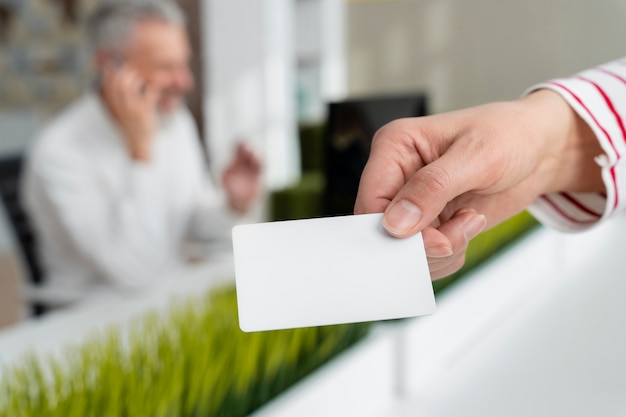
point(392, 162)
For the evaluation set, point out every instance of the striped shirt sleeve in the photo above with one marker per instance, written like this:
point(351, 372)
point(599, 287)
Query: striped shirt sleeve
point(598, 95)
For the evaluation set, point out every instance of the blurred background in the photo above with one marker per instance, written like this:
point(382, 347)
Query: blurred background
point(286, 75)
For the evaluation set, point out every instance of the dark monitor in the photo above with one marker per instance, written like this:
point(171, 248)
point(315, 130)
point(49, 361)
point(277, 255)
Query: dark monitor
point(350, 127)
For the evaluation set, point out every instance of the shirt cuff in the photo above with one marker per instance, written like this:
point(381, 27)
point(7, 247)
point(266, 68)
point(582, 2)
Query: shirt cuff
point(598, 96)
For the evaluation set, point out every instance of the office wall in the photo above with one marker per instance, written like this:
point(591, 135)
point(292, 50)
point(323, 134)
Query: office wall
point(250, 84)
point(44, 62)
point(44, 65)
point(470, 52)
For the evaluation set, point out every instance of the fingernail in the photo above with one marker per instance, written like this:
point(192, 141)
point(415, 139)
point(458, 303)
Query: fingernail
point(474, 227)
point(402, 217)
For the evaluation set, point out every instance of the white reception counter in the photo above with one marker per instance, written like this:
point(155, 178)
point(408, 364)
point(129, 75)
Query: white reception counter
point(538, 331)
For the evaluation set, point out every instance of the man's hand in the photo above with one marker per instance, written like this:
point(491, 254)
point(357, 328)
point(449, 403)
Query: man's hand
point(242, 179)
point(132, 103)
point(451, 175)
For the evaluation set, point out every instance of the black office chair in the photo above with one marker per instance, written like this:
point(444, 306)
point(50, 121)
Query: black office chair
point(10, 171)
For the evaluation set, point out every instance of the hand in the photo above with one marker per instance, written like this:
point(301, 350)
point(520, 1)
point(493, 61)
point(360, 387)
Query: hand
point(451, 175)
point(132, 103)
point(242, 179)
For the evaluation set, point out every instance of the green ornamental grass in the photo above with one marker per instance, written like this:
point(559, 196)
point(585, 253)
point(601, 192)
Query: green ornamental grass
point(193, 361)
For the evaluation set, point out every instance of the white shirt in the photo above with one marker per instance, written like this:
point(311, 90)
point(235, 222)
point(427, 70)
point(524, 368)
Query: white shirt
point(103, 219)
point(598, 95)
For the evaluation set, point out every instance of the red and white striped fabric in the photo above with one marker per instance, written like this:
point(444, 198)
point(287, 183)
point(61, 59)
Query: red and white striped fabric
point(598, 95)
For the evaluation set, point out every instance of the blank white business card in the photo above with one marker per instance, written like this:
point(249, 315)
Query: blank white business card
point(323, 271)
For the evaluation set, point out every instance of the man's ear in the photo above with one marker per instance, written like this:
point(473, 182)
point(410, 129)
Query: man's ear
point(99, 59)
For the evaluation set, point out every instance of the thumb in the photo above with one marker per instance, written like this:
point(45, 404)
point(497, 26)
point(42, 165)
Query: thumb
point(422, 199)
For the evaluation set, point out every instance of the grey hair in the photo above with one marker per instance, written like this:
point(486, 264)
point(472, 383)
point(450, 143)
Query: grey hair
point(111, 24)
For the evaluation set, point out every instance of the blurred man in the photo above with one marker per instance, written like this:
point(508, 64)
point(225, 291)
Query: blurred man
point(116, 185)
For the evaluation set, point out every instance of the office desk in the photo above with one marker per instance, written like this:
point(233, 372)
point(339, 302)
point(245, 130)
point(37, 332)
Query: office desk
point(53, 332)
